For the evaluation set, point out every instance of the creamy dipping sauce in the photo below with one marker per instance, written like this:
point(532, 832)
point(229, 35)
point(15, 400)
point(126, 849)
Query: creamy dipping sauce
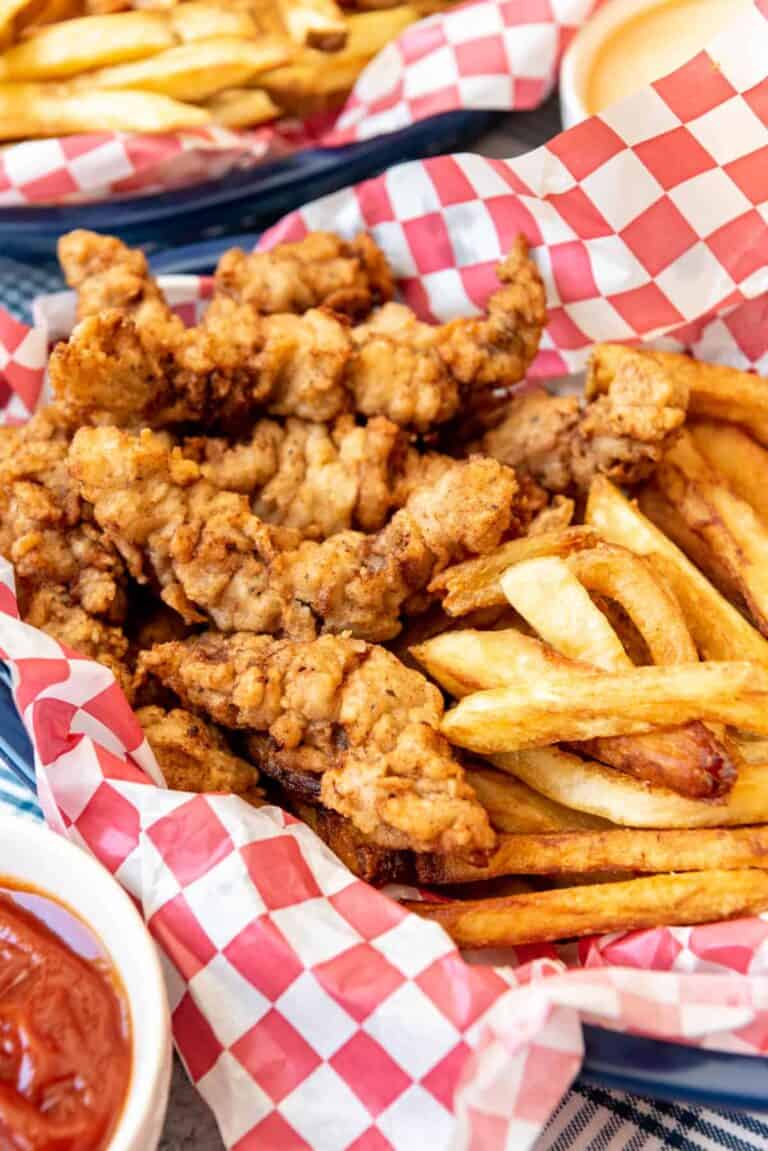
point(652, 44)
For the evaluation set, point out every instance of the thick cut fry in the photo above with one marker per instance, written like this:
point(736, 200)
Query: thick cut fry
point(628, 849)
point(198, 20)
point(617, 573)
point(35, 17)
point(477, 583)
point(698, 897)
point(242, 107)
point(728, 525)
point(718, 629)
point(736, 457)
point(560, 706)
point(716, 391)
point(690, 759)
point(34, 110)
point(10, 12)
point(318, 24)
point(667, 518)
point(62, 50)
point(589, 786)
point(194, 71)
point(515, 807)
point(551, 599)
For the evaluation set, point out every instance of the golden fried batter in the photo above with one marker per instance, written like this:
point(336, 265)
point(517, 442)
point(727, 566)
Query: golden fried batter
point(194, 755)
point(621, 433)
point(209, 553)
point(346, 710)
point(322, 270)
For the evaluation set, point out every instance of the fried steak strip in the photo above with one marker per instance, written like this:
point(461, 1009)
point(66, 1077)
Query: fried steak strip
point(342, 709)
point(208, 553)
point(136, 364)
point(622, 431)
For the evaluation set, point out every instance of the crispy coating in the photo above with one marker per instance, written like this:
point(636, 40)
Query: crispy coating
point(136, 364)
point(209, 553)
point(322, 270)
point(346, 710)
point(621, 433)
point(194, 755)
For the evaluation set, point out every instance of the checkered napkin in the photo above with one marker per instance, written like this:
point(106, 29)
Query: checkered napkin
point(487, 54)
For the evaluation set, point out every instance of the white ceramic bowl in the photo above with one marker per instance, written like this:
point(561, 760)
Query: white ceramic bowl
point(32, 855)
point(578, 60)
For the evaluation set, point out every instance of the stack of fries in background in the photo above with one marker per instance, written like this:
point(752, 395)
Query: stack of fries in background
point(622, 698)
point(74, 68)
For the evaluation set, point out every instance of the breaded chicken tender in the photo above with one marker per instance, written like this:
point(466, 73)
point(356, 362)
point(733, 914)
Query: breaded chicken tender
point(194, 755)
point(321, 270)
point(136, 365)
point(621, 432)
point(210, 554)
point(346, 710)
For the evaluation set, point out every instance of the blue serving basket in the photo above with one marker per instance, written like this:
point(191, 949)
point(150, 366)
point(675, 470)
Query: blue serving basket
point(666, 1071)
point(243, 200)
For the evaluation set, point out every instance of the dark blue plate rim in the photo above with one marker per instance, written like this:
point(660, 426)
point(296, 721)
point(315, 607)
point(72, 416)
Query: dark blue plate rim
point(641, 1066)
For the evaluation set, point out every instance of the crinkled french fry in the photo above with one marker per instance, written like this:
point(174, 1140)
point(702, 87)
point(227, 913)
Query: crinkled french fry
point(62, 50)
point(242, 107)
point(476, 583)
point(718, 629)
point(35, 110)
point(715, 391)
point(589, 786)
point(196, 70)
point(532, 917)
point(560, 706)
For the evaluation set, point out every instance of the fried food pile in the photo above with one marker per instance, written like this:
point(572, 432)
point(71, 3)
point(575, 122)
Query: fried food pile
point(79, 66)
point(299, 530)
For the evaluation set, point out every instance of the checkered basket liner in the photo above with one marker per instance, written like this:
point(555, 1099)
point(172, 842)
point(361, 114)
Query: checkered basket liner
point(310, 1010)
point(487, 54)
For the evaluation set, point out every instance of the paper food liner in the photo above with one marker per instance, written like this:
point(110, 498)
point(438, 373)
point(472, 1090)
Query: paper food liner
point(488, 54)
point(310, 1010)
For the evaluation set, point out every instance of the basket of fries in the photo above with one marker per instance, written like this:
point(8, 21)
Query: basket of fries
point(355, 654)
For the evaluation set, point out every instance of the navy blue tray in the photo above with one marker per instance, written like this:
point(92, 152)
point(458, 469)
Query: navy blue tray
point(625, 1062)
point(243, 200)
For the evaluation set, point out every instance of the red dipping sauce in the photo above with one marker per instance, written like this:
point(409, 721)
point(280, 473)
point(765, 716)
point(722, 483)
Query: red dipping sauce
point(65, 1043)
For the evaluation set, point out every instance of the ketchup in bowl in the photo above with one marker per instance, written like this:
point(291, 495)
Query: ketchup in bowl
point(65, 1043)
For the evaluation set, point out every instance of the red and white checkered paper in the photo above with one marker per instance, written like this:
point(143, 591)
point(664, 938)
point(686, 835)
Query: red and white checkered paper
point(310, 1010)
point(487, 54)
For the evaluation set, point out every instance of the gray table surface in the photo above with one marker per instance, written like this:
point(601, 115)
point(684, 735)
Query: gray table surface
point(190, 1125)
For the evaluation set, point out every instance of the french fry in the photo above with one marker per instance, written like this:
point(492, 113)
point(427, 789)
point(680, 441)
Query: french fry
point(532, 917)
point(664, 515)
point(629, 849)
point(11, 12)
point(199, 20)
point(740, 460)
point(35, 110)
point(515, 807)
point(728, 525)
point(242, 107)
point(62, 50)
point(619, 574)
point(477, 583)
point(50, 12)
point(318, 24)
point(718, 629)
point(586, 785)
point(715, 391)
point(560, 706)
point(551, 599)
point(194, 71)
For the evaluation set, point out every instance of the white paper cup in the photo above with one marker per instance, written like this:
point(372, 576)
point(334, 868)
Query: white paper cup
point(31, 855)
